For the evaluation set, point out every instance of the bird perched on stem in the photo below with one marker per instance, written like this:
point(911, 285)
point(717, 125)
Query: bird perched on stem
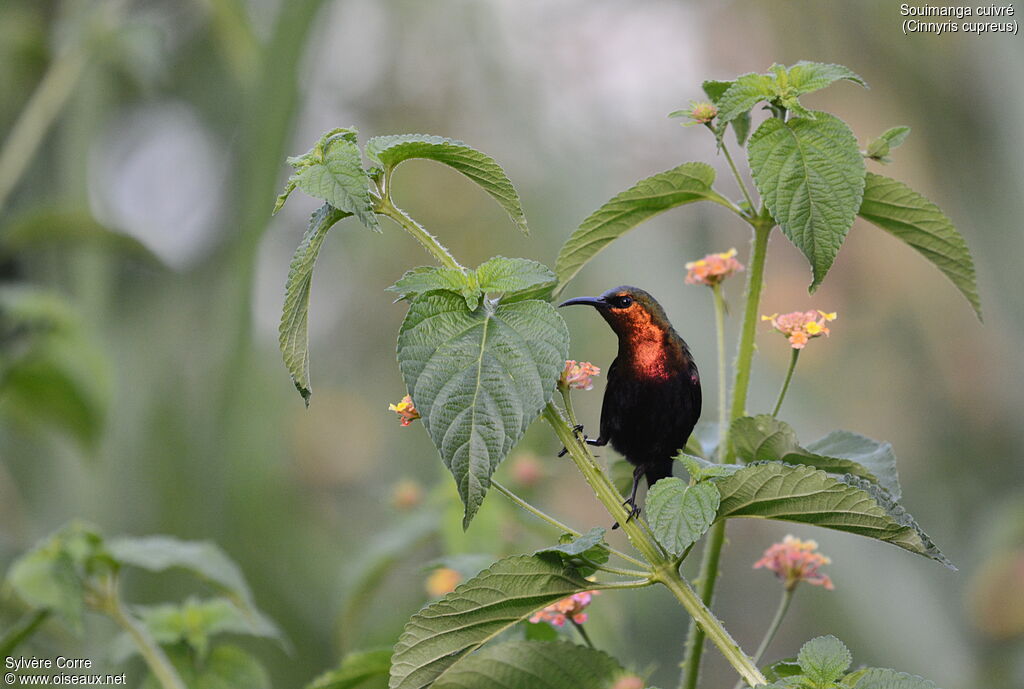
point(652, 399)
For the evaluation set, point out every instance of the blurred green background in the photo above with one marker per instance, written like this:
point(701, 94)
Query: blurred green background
point(145, 208)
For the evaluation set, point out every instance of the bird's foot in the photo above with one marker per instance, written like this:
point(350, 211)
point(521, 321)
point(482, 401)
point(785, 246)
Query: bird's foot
point(577, 431)
point(634, 511)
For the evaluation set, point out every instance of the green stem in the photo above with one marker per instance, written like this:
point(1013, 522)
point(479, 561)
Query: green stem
point(723, 392)
point(429, 241)
point(665, 569)
point(21, 631)
point(151, 652)
point(785, 383)
point(35, 120)
point(537, 512)
point(773, 628)
point(739, 179)
point(744, 359)
point(583, 633)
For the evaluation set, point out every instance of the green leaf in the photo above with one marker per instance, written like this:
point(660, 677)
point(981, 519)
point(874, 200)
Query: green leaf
point(534, 665)
point(684, 184)
point(740, 124)
point(743, 94)
point(680, 514)
point(583, 552)
point(880, 678)
point(780, 669)
point(824, 659)
point(539, 631)
point(443, 633)
point(293, 333)
point(428, 278)
point(811, 176)
point(355, 669)
point(514, 275)
point(879, 148)
point(204, 559)
point(195, 621)
point(332, 171)
point(772, 490)
point(910, 217)
point(700, 469)
point(389, 151)
point(227, 667)
point(805, 77)
point(479, 379)
point(764, 438)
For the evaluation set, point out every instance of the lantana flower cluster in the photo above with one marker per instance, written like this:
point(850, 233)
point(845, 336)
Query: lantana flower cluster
point(712, 269)
point(571, 608)
point(800, 327)
point(406, 410)
point(794, 561)
point(578, 375)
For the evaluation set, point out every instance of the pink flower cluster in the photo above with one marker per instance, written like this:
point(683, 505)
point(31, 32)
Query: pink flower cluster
point(406, 410)
point(570, 608)
point(577, 374)
point(800, 327)
point(794, 561)
point(712, 269)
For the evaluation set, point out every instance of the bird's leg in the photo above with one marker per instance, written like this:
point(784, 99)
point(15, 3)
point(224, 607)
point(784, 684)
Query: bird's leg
point(634, 509)
point(596, 442)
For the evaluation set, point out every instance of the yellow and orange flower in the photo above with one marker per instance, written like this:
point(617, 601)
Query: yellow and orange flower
point(712, 269)
point(406, 410)
point(794, 561)
point(800, 327)
point(442, 580)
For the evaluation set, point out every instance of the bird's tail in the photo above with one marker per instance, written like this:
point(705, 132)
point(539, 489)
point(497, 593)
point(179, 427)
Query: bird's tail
point(658, 470)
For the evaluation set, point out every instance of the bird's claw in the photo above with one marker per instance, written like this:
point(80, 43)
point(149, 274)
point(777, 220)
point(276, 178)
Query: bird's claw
point(634, 511)
point(576, 430)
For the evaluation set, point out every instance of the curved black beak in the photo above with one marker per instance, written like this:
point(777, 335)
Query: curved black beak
point(589, 301)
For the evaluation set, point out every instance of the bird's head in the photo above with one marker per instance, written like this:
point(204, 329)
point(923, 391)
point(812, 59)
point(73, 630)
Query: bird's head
point(630, 311)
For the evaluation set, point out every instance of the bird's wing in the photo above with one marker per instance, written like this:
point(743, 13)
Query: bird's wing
point(608, 403)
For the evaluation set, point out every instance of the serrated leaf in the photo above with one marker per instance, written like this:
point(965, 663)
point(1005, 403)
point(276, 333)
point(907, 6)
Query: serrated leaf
point(743, 94)
point(512, 275)
point(680, 514)
point(773, 490)
point(647, 198)
point(879, 148)
point(227, 667)
point(805, 77)
point(811, 176)
point(444, 632)
point(332, 171)
point(582, 552)
point(762, 438)
point(700, 469)
point(824, 659)
point(534, 665)
point(910, 217)
point(881, 678)
point(293, 332)
point(780, 669)
point(479, 379)
point(389, 151)
point(877, 457)
point(355, 668)
point(427, 278)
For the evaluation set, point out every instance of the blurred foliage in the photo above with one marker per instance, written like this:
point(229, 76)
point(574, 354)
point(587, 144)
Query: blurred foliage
point(167, 144)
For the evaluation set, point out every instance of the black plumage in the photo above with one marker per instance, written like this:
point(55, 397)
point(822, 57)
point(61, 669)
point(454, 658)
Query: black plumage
point(652, 399)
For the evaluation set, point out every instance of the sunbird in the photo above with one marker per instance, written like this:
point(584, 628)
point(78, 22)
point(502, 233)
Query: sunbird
point(652, 398)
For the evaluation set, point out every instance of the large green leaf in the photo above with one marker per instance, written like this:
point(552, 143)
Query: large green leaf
point(332, 171)
point(810, 174)
point(902, 212)
point(881, 678)
point(429, 278)
point(479, 379)
point(355, 669)
point(772, 490)
point(389, 151)
point(680, 514)
point(763, 438)
point(805, 77)
point(686, 183)
point(534, 665)
point(824, 659)
point(293, 332)
point(513, 275)
point(440, 635)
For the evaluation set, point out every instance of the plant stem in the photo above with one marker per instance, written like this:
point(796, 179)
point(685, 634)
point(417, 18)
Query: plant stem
point(21, 631)
point(430, 242)
point(49, 98)
point(744, 359)
point(583, 632)
point(665, 569)
point(785, 383)
point(723, 392)
point(736, 174)
point(151, 652)
point(537, 512)
point(773, 628)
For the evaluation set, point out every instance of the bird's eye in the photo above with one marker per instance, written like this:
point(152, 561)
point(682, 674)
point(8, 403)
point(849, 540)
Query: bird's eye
point(623, 302)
